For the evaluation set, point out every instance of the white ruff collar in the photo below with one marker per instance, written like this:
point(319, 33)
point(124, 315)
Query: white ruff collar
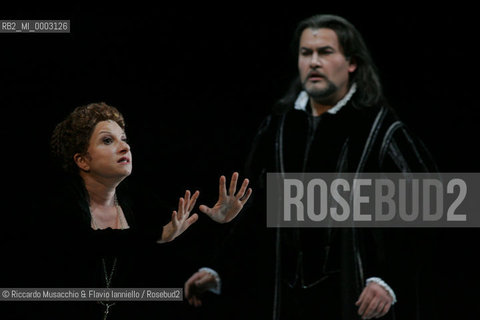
point(303, 98)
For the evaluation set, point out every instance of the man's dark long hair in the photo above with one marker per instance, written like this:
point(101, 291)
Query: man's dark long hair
point(369, 90)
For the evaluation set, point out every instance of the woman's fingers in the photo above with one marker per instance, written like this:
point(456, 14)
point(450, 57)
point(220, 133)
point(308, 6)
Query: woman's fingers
point(193, 200)
point(222, 188)
point(174, 217)
point(242, 190)
point(233, 184)
point(246, 197)
point(207, 210)
point(187, 199)
point(191, 220)
point(181, 203)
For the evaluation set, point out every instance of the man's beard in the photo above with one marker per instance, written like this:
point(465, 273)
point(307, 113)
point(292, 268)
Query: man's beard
point(321, 94)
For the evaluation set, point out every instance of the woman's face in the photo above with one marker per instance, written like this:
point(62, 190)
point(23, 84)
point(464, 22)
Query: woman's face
point(108, 154)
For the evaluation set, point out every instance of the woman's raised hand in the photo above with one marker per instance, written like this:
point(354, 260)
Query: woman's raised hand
point(229, 204)
point(181, 219)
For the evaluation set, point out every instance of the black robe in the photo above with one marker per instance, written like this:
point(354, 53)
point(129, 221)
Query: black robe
point(263, 261)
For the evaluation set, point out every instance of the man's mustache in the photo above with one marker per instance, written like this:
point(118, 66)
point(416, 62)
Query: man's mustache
point(314, 73)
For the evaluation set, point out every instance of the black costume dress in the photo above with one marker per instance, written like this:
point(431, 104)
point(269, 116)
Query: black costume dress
point(68, 253)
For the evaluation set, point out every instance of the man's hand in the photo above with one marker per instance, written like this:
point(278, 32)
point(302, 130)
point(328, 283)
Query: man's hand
point(197, 284)
point(374, 301)
point(180, 220)
point(228, 205)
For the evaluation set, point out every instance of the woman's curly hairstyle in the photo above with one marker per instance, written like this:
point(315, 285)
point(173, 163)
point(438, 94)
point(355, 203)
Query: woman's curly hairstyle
point(72, 135)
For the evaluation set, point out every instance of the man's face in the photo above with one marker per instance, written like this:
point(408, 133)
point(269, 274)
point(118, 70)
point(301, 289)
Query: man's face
point(324, 70)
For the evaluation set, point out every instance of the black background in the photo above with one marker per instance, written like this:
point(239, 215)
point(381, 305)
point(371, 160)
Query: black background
point(194, 83)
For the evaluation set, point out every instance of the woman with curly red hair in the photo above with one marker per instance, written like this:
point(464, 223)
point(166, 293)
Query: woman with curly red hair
point(99, 217)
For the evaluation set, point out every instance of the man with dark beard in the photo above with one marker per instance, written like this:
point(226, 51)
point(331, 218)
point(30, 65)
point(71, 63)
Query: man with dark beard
point(333, 119)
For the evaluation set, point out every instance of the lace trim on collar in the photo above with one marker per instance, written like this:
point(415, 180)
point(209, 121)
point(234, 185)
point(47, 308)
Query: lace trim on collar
point(303, 98)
